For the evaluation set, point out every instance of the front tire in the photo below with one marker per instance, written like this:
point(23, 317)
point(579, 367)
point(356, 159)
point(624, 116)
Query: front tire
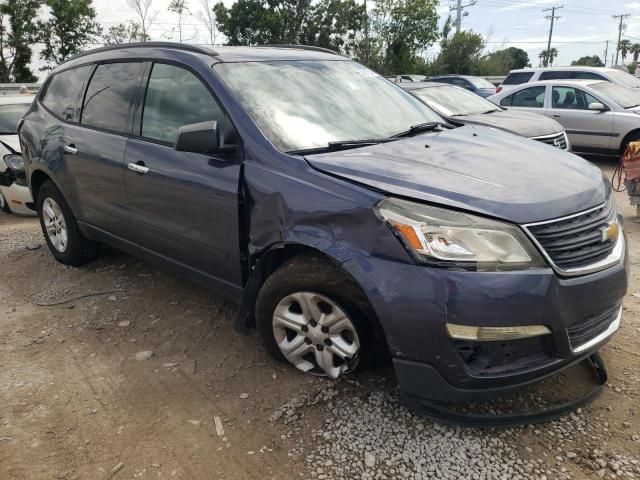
point(309, 314)
point(60, 228)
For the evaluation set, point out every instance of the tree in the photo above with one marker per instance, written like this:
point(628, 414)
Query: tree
point(69, 28)
point(18, 31)
point(124, 34)
point(248, 22)
point(335, 24)
point(207, 17)
point(624, 47)
point(461, 53)
point(180, 8)
point(402, 30)
point(142, 8)
point(635, 51)
point(589, 61)
point(501, 62)
point(548, 56)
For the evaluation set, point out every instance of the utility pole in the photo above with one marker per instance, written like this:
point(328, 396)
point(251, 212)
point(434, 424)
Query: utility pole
point(606, 52)
point(459, 8)
point(553, 17)
point(620, 28)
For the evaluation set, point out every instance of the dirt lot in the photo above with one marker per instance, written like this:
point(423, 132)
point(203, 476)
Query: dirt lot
point(126, 384)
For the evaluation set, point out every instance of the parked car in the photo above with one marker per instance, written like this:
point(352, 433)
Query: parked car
point(477, 85)
point(599, 117)
point(345, 217)
point(406, 78)
point(530, 75)
point(462, 107)
point(14, 192)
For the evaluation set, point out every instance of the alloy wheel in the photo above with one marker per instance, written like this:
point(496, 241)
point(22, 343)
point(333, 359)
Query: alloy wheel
point(55, 224)
point(315, 334)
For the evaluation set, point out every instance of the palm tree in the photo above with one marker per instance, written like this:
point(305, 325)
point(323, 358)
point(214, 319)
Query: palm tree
point(624, 47)
point(548, 56)
point(635, 51)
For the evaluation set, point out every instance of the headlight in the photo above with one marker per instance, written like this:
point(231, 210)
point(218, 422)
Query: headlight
point(448, 238)
point(14, 162)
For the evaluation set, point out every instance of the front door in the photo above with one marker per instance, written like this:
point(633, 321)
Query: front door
point(587, 129)
point(184, 206)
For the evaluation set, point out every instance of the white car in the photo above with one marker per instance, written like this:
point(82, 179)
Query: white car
point(530, 75)
point(14, 192)
point(599, 117)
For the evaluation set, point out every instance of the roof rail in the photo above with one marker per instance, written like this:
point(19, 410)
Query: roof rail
point(121, 46)
point(299, 47)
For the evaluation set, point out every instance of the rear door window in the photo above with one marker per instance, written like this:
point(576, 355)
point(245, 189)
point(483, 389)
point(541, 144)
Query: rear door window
point(517, 78)
point(61, 93)
point(558, 75)
point(532, 97)
point(108, 98)
point(176, 97)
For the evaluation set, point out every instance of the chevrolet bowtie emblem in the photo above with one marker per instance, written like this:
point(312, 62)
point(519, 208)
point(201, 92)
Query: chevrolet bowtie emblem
point(610, 233)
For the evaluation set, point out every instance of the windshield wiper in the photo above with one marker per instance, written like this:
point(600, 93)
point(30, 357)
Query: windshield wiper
point(341, 145)
point(421, 128)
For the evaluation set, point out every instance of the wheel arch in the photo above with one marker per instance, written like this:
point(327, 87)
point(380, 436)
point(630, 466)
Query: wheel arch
point(627, 138)
point(38, 177)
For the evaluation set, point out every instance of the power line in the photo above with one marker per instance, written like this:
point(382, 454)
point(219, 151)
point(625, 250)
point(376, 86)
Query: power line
point(548, 58)
point(459, 8)
point(622, 16)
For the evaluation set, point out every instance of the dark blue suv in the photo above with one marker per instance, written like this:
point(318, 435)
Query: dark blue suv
point(348, 220)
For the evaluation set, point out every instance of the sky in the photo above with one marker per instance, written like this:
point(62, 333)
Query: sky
point(583, 28)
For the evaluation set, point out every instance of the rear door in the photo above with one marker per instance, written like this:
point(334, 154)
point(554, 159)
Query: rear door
point(94, 148)
point(585, 128)
point(185, 207)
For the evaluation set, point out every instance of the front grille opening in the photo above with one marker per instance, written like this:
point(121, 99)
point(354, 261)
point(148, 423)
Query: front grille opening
point(559, 141)
point(585, 330)
point(577, 242)
point(495, 358)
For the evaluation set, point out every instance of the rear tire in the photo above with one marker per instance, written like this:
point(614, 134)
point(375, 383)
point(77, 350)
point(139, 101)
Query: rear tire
point(324, 323)
point(60, 228)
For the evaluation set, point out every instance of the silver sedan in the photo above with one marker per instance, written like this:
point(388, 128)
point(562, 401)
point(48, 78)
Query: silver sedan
point(599, 117)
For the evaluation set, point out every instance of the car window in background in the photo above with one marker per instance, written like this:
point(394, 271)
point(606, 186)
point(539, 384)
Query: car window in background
point(557, 75)
point(532, 97)
point(108, 98)
point(624, 79)
point(176, 97)
point(481, 83)
point(587, 76)
point(517, 78)
point(10, 115)
point(570, 98)
point(623, 97)
point(300, 105)
point(451, 101)
point(62, 92)
point(459, 82)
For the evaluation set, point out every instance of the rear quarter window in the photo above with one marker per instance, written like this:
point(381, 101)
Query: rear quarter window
point(517, 78)
point(564, 75)
point(62, 91)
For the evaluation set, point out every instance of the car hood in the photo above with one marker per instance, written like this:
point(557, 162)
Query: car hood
point(475, 168)
point(525, 124)
point(10, 142)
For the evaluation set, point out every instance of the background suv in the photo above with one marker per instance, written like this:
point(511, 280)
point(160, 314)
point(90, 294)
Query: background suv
point(348, 220)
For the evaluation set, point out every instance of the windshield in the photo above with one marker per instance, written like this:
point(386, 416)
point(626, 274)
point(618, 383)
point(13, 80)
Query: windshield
point(481, 83)
point(624, 79)
point(300, 105)
point(624, 97)
point(453, 101)
point(10, 115)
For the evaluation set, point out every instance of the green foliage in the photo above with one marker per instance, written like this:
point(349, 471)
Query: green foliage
point(588, 61)
point(624, 47)
point(548, 56)
point(335, 24)
point(248, 22)
point(401, 30)
point(461, 53)
point(501, 62)
point(69, 29)
point(122, 33)
point(18, 31)
point(180, 8)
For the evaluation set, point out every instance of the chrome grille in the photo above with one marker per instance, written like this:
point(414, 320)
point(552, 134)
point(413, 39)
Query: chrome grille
point(558, 140)
point(577, 241)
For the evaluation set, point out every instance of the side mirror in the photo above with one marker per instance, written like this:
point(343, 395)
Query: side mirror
point(597, 107)
point(203, 137)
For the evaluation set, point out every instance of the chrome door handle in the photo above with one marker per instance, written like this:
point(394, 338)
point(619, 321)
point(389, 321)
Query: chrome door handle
point(134, 167)
point(70, 149)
